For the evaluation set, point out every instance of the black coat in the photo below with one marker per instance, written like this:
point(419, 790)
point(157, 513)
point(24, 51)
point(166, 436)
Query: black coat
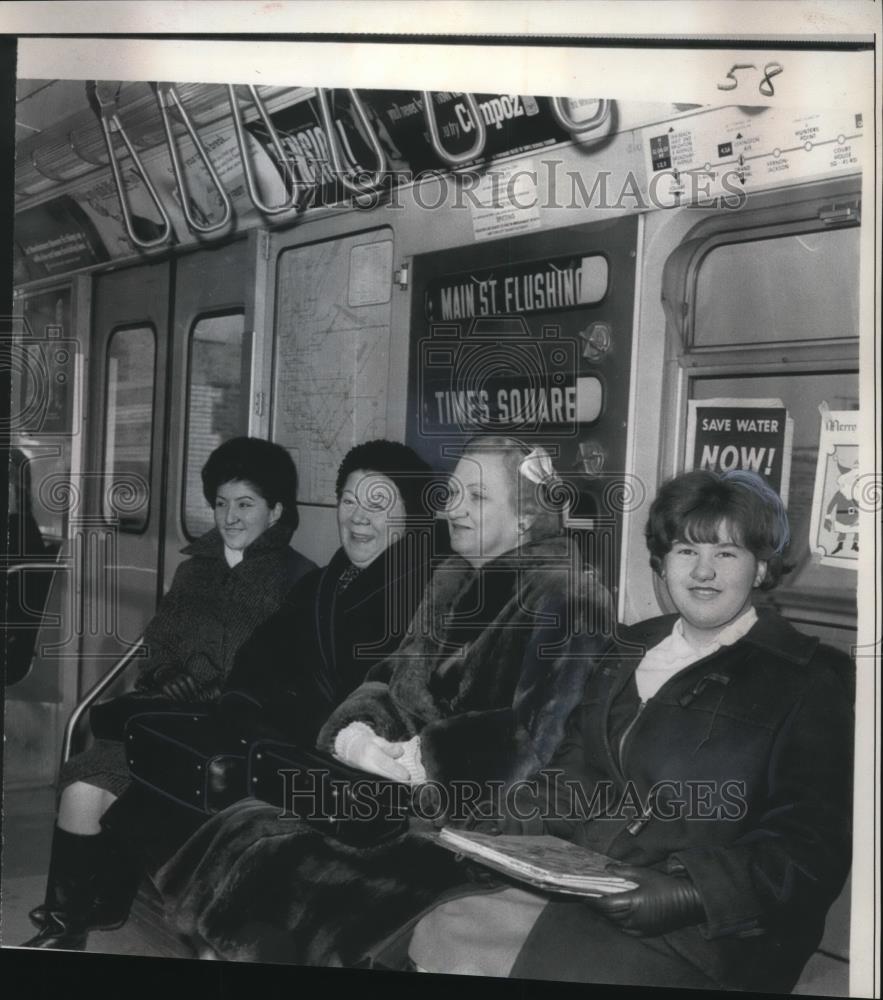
point(750, 754)
point(211, 609)
point(319, 645)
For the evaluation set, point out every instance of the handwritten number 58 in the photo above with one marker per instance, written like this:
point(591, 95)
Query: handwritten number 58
point(765, 86)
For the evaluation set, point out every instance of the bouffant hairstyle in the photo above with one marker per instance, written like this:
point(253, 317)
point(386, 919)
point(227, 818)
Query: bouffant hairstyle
point(536, 499)
point(266, 466)
point(410, 474)
point(694, 506)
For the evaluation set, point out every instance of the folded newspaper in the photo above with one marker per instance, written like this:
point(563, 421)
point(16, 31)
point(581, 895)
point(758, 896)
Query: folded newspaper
point(545, 862)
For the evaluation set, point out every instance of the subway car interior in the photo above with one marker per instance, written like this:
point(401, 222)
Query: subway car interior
point(643, 288)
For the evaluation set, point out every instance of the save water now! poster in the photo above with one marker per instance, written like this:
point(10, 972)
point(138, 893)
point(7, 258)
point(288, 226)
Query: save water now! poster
point(752, 434)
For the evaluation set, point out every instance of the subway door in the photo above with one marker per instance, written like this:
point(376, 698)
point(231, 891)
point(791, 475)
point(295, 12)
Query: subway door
point(211, 396)
point(118, 540)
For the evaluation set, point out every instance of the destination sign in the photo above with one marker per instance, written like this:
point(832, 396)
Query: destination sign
point(538, 286)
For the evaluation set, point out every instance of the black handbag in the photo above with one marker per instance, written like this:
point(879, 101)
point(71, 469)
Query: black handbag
point(108, 719)
point(343, 802)
point(189, 758)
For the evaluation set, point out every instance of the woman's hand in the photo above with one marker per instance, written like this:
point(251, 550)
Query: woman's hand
point(359, 746)
point(660, 904)
point(185, 688)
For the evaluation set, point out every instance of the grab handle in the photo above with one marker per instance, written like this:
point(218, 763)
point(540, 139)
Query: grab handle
point(106, 109)
point(376, 178)
point(166, 97)
point(297, 187)
point(477, 147)
point(574, 127)
point(92, 696)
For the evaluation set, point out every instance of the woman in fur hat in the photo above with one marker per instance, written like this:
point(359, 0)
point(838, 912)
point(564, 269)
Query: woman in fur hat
point(343, 619)
point(235, 577)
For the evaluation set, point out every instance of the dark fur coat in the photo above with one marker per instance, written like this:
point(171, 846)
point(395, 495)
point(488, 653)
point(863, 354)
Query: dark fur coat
point(495, 662)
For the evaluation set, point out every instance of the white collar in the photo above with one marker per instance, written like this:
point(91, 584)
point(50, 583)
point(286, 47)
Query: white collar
point(233, 556)
point(726, 637)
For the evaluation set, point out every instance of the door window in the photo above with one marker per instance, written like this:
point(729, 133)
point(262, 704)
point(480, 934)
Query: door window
point(131, 356)
point(217, 404)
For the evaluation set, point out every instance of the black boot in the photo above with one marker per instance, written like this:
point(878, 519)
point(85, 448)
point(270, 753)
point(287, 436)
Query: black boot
point(119, 876)
point(63, 918)
point(92, 881)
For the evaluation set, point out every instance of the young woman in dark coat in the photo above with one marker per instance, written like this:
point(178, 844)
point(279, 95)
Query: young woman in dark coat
point(341, 620)
point(711, 757)
point(477, 693)
point(236, 576)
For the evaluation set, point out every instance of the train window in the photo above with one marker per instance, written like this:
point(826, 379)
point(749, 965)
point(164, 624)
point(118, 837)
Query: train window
point(217, 404)
point(798, 287)
point(828, 592)
point(131, 356)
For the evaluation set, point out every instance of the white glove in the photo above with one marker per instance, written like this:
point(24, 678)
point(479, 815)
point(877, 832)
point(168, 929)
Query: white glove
point(412, 760)
point(359, 746)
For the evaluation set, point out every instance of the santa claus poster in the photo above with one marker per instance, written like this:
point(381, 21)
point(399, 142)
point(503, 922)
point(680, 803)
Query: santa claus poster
point(834, 524)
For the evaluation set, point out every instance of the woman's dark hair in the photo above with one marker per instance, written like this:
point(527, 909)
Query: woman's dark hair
point(267, 466)
point(538, 499)
point(693, 506)
point(410, 474)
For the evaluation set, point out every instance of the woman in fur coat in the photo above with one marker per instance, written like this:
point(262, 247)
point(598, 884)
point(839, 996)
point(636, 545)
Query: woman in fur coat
point(474, 699)
point(235, 577)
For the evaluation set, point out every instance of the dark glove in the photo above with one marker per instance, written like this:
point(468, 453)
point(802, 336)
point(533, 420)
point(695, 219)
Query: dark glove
point(660, 904)
point(187, 688)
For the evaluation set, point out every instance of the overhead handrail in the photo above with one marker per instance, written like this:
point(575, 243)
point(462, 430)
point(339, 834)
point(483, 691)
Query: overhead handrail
point(106, 109)
point(298, 187)
point(376, 177)
point(477, 147)
point(166, 97)
point(574, 127)
point(92, 695)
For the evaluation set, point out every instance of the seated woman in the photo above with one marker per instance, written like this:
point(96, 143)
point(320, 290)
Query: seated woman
point(716, 747)
point(236, 577)
point(340, 621)
point(478, 692)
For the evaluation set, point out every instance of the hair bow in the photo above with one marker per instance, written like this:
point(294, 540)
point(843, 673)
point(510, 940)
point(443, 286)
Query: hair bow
point(537, 467)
